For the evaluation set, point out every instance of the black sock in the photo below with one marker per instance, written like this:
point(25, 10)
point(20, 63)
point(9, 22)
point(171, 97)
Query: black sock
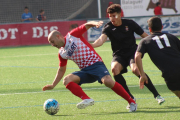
point(151, 87)
point(120, 79)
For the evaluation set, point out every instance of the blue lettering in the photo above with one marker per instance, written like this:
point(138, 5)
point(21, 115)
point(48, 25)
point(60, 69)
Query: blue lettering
point(70, 52)
point(166, 24)
point(175, 25)
point(73, 48)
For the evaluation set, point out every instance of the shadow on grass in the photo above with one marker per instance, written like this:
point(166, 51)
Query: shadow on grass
point(165, 109)
point(62, 115)
point(106, 113)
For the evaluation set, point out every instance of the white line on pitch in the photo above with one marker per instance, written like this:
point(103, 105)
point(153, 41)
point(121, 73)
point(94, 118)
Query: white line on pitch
point(63, 90)
point(28, 55)
point(39, 54)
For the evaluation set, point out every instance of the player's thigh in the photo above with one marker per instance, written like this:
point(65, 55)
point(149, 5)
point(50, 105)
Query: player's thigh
point(71, 78)
point(173, 84)
point(134, 69)
point(177, 93)
point(85, 77)
point(118, 65)
point(132, 64)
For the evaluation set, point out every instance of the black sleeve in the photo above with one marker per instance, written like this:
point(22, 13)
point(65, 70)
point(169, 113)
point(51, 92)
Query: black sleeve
point(105, 30)
point(137, 29)
point(141, 47)
point(177, 43)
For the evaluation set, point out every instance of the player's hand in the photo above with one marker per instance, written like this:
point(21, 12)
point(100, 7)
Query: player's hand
point(48, 87)
point(99, 24)
point(143, 79)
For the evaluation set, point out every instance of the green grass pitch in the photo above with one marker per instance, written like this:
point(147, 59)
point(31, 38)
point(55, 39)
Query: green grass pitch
point(25, 70)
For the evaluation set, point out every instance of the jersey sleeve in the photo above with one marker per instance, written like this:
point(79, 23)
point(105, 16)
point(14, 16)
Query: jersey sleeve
point(177, 42)
point(22, 16)
point(141, 48)
point(62, 62)
point(77, 32)
point(137, 29)
point(105, 30)
point(31, 15)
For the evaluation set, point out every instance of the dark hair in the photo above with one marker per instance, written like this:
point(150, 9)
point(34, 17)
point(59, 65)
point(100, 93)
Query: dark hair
point(158, 3)
point(114, 8)
point(72, 26)
point(155, 24)
point(41, 11)
point(26, 7)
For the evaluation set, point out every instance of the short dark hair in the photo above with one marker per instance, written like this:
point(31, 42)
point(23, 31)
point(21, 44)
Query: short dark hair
point(41, 11)
point(72, 26)
point(26, 7)
point(155, 24)
point(158, 3)
point(114, 8)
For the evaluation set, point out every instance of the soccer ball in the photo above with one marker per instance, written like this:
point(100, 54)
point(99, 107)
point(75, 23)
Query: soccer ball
point(51, 106)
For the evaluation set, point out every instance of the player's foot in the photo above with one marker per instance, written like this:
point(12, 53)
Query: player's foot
point(86, 102)
point(133, 107)
point(160, 99)
point(128, 106)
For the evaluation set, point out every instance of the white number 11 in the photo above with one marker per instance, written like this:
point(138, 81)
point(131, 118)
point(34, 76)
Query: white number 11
point(166, 40)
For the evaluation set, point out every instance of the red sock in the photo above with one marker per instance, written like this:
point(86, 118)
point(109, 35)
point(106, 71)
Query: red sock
point(122, 92)
point(77, 90)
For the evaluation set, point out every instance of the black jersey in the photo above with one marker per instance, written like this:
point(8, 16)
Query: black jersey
point(164, 51)
point(122, 37)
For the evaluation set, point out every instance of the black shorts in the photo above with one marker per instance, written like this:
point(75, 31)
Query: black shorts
point(125, 59)
point(173, 85)
point(172, 79)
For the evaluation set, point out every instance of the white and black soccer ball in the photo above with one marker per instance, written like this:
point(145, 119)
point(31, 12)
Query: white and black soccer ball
point(51, 106)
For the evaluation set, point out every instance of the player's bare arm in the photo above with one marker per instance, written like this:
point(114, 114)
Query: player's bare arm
point(144, 35)
point(93, 24)
point(99, 41)
point(59, 75)
point(138, 62)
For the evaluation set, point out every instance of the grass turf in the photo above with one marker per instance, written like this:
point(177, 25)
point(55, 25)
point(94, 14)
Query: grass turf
point(25, 70)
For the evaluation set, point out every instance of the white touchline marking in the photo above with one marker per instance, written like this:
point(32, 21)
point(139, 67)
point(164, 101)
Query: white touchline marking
point(28, 55)
point(40, 54)
point(64, 90)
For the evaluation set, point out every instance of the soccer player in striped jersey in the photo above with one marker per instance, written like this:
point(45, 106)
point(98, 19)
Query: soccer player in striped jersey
point(74, 47)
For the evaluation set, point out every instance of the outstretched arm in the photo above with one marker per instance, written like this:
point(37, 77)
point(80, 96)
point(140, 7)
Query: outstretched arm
point(93, 24)
point(144, 35)
point(138, 62)
point(59, 75)
point(99, 41)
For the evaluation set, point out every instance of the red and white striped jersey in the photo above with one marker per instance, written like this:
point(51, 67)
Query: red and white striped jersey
point(78, 49)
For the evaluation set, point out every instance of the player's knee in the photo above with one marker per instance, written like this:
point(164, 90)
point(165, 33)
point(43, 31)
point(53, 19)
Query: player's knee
point(115, 71)
point(178, 94)
point(66, 80)
point(135, 71)
point(107, 81)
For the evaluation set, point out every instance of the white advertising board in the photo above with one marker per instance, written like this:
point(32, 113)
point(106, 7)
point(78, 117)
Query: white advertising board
point(170, 25)
point(133, 8)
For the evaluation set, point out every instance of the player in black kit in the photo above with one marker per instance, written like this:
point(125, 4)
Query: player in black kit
point(164, 51)
point(123, 44)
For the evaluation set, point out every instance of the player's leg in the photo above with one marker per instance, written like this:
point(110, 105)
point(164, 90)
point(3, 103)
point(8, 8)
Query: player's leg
point(173, 84)
point(98, 71)
point(150, 85)
point(118, 89)
point(177, 93)
point(71, 82)
point(117, 70)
